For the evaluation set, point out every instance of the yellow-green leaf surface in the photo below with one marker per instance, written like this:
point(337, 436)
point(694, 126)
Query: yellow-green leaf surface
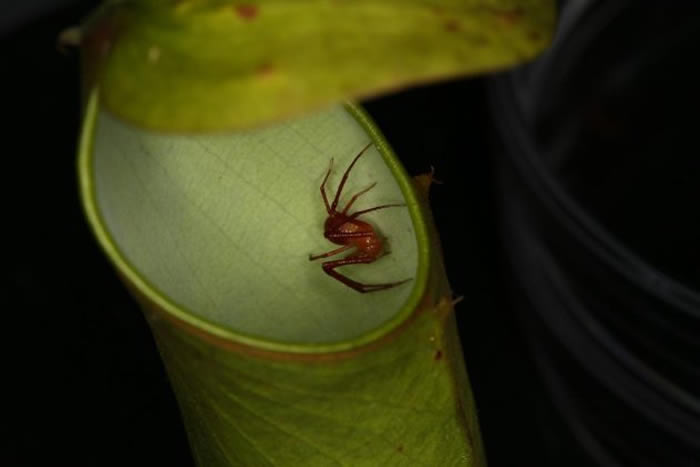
point(274, 363)
point(191, 65)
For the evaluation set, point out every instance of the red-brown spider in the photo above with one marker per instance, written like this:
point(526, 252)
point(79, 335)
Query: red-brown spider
point(345, 229)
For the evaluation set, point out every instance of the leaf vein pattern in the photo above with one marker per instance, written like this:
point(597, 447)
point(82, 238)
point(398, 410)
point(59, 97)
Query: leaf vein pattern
point(272, 424)
point(321, 395)
point(184, 380)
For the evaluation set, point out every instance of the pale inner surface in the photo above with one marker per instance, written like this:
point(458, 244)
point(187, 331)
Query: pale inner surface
point(222, 225)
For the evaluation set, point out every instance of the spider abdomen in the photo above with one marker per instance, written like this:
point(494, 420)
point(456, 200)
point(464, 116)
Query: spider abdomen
point(371, 246)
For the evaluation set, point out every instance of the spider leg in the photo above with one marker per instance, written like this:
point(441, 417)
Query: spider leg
point(323, 187)
point(329, 268)
point(357, 195)
point(329, 253)
point(345, 177)
point(365, 211)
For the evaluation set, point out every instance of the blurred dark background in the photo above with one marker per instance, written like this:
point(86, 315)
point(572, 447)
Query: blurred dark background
point(606, 125)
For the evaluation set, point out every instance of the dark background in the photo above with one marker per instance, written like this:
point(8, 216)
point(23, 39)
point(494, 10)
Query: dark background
point(84, 383)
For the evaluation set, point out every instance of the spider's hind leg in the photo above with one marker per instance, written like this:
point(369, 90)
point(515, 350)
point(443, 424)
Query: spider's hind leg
point(376, 208)
point(329, 268)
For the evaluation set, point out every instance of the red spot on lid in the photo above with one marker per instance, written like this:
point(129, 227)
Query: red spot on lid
point(534, 35)
point(452, 25)
point(510, 17)
point(247, 11)
point(265, 69)
point(438, 355)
